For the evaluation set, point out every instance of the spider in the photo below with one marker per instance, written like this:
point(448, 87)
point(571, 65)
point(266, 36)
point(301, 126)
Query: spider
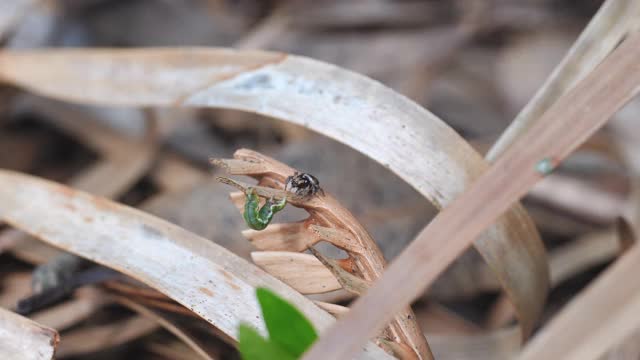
point(303, 185)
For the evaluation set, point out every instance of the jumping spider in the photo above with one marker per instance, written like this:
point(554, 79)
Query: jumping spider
point(303, 185)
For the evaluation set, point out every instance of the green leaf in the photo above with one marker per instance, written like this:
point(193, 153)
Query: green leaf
point(287, 326)
point(252, 346)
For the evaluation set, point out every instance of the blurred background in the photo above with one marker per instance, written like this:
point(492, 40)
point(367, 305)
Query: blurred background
point(473, 63)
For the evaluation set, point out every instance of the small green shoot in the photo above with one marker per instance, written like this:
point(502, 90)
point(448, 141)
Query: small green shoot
point(290, 332)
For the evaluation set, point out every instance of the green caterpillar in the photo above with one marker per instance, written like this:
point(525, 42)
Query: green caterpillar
point(258, 218)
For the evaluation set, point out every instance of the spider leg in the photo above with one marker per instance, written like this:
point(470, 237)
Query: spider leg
point(287, 182)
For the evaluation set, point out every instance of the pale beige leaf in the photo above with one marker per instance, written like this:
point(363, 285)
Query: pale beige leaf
point(303, 272)
point(281, 237)
point(23, 339)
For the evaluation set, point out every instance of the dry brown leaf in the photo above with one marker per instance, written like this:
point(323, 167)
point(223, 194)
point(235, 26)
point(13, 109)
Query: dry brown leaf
point(302, 272)
point(568, 123)
point(347, 280)
point(333, 221)
point(23, 339)
point(151, 250)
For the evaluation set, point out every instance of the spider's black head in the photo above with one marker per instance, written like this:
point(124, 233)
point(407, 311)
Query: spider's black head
point(303, 184)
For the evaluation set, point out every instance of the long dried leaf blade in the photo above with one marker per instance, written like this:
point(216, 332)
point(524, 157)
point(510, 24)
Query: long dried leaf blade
point(23, 339)
point(566, 125)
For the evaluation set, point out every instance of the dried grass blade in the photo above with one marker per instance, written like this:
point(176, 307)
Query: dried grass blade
point(151, 250)
point(89, 339)
point(175, 329)
point(337, 237)
point(569, 122)
point(613, 307)
point(23, 339)
point(327, 99)
point(614, 20)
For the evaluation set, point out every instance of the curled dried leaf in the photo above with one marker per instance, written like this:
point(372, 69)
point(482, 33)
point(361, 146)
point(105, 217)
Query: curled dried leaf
point(328, 221)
